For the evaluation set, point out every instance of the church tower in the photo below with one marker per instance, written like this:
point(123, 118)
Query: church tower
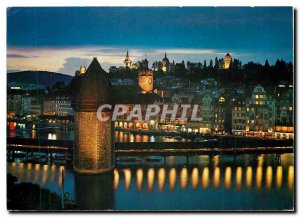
point(93, 150)
point(127, 61)
point(165, 64)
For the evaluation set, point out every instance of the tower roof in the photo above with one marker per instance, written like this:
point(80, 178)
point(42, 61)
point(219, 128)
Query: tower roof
point(93, 89)
point(228, 55)
point(165, 58)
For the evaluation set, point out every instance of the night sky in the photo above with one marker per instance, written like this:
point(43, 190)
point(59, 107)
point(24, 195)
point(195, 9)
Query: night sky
point(62, 39)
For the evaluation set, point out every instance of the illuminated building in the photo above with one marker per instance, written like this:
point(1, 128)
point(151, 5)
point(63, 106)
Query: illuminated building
point(165, 64)
point(284, 119)
point(222, 116)
point(227, 61)
point(239, 117)
point(207, 112)
point(260, 113)
point(146, 78)
point(82, 70)
point(127, 61)
point(93, 148)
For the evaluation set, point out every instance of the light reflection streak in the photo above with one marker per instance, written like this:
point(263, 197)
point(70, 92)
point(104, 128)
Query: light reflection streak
point(239, 174)
point(172, 179)
point(161, 179)
point(116, 179)
point(217, 175)
point(183, 178)
point(227, 178)
point(279, 177)
point(249, 177)
point(127, 178)
point(195, 177)
point(259, 176)
point(139, 179)
point(151, 176)
point(205, 177)
point(269, 177)
point(291, 177)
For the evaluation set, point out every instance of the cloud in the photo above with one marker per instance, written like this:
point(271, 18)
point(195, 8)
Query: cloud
point(19, 56)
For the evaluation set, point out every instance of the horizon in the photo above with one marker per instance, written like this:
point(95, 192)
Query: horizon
point(62, 39)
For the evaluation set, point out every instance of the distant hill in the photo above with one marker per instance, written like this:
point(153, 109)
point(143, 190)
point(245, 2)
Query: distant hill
point(44, 78)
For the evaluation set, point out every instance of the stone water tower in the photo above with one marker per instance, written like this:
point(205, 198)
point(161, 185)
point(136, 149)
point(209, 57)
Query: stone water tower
point(94, 147)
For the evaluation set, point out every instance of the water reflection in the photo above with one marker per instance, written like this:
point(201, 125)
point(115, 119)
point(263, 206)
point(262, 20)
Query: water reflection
point(249, 177)
point(150, 176)
point(279, 177)
point(239, 173)
point(261, 177)
point(161, 179)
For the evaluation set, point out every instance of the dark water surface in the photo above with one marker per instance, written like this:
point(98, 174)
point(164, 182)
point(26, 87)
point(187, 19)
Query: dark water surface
point(223, 182)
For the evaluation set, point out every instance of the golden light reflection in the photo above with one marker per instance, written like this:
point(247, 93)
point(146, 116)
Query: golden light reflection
point(249, 177)
point(125, 137)
point(138, 138)
point(44, 174)
point(279, 177)
point(172, 179)
point(36, 173)
point(259, 176)
point(52, 175)
point(116, 179)
point(161, 179)
point(60, 169)
point(183, 178)
point(139, 179)
point(127, 178)
point(195, 177)
point(151, 176)
point(269, 177)
point(227, 177)
point(239, 174)
point(121, 134)
point(131, 138)
point(33, 134)
point(217, 175)
point(260, 160)
point(145, 138)
point(216, 160)
point(205, 177)
point(291, 177)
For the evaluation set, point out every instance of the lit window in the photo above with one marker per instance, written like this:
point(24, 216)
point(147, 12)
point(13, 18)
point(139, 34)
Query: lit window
point(291, 108)
point(247, 109)
point(261, 96)
point(261, 102)
point(256, 102)
point(256, 96)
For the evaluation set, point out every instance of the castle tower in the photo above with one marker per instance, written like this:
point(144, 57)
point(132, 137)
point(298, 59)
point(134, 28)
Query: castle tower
point(145, 63)
point(82, 70)
point(127, 61)
point(93, 150)
point(165, 64)
point(227, 61)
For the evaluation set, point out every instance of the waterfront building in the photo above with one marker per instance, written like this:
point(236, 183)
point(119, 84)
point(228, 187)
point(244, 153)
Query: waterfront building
point(284, 119)
point(207, 113)
point(35, 106)
point(93, 148)
point(222, 116)
point(63, 106)
point(49, 107)
point(261, 113)
point(239, 116)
